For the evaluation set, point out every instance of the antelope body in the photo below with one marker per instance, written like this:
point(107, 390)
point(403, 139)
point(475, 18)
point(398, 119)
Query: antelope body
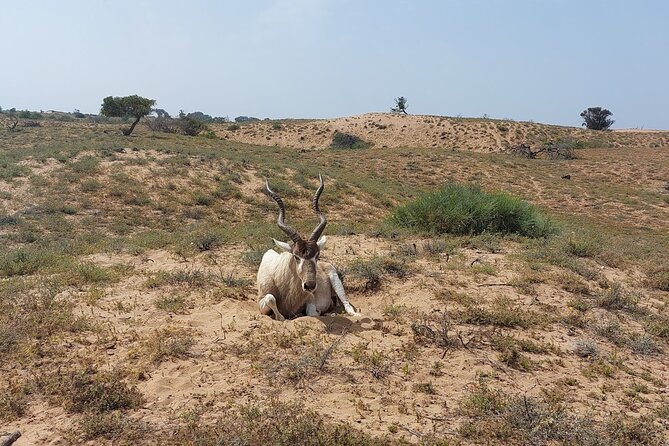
point(295, 281)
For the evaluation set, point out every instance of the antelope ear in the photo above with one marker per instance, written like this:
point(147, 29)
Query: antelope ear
point(283, 246)
point(321, 242)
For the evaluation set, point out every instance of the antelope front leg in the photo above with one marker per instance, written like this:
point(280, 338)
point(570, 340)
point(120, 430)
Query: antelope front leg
point(311, 309)
point(270, 302)
point(338, 288)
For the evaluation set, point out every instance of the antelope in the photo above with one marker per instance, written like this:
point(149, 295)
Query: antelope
point(295, 281)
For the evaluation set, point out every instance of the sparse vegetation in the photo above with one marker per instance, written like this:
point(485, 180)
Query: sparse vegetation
point(130, 265)
point(499, 419)
point(90, 390)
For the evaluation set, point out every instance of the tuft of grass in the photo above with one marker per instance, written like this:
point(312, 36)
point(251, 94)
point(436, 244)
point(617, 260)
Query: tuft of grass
point(659, 326)
point(87, 165)
point(659, 279)
point(618, 298)
point(482, 400)
point(438, 246)
point(296, 370)
point(586, 348)
point(643, 344)
point(368, 273)
point(88, 389)
point(373, 361)
point(207, 242)
point(511, 351)
point(503, 313)
point(468, 210)
point(106, 425)
point(90, 185)
point(167, 343)
point(190, 278)
point(173, 303)
point(202, 199)
point(583, 244)
point(233, 281)
point(425, 387)
point(26, 261)
point(572, 283)
point(394, 312)
point(435, 330)
point(13, 401)
point(628, 431)
point(85, 273)
point(612, 331)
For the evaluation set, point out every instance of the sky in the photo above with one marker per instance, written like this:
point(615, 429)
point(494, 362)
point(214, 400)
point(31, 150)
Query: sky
point(539, 60)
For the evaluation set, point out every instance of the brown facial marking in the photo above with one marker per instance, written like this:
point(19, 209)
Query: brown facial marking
point(305, 249)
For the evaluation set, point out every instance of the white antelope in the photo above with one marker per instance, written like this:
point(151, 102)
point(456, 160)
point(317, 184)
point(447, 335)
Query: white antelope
point(295, 281)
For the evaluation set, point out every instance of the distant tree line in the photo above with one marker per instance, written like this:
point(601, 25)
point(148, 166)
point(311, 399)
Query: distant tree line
point(136, 107)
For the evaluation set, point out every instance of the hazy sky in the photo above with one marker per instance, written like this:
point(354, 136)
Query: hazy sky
point(541, 60)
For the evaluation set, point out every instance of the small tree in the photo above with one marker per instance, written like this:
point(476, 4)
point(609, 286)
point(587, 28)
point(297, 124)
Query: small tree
point(400, 105)
point(127, 106)
point(597, 118)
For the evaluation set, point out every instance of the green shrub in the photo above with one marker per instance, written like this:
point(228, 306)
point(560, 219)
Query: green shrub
point(467, 210)
point(191, 126)
point(342, 140)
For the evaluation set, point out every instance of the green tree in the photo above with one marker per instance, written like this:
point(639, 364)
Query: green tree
point(127, 106)
point(597, 118)
point(400, 105)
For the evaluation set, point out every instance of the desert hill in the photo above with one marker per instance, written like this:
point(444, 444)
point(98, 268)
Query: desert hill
point(128, 311)
point(388, 130)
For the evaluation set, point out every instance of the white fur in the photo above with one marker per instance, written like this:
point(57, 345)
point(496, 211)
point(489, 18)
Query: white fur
point(280, 288)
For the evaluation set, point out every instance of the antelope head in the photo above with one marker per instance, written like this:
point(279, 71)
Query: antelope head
point(305, 251)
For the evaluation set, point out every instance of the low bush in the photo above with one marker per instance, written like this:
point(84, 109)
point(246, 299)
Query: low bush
point(341, 140)
point(186, 125)
point(467, 210)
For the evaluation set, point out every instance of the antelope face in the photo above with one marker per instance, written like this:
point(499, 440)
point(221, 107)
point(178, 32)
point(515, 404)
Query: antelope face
point(305, 251)
point(305, 255)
